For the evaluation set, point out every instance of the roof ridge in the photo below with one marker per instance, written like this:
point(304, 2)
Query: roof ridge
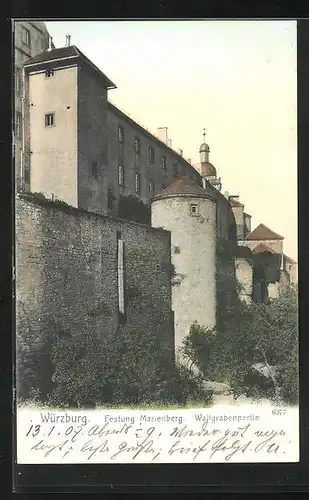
point(263, 232)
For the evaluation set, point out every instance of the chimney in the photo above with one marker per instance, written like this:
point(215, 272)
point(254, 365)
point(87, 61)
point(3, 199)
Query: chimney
point(226, 195)
point(180, 152)
point(67, 40)
point(50, 42)
point(169, 143)
point(162, 134)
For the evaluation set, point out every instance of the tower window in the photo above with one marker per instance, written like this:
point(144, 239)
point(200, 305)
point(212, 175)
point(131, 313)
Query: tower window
point(163, 164)
point(137, 146)
point(120, 175)
point(151, 155)
point(18, 125)
point(193, 209)
point(120, 134)
point(49, 119)
point(137, 183)
point(151, 187)
point(49, 73)
point(94, 169)
point(25, 36)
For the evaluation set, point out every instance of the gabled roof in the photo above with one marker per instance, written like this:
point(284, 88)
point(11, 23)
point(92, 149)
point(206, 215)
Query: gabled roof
point(64, 53)
point(261, 248)
point(183, 187)
point(263, 232)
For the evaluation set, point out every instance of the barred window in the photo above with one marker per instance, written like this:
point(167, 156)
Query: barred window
point(137, 182)
point(151, 187)
point(137, 146)
point(120, 134)
point(163, 164)
point(94, 169)
point(120, 175)
point(175, 169)
point(49, 119)
point(151, 155)
point(18, 125)
point(18, 80)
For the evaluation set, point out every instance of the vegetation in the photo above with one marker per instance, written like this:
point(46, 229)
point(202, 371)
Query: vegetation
point(255, 350)
point(130, 369)
point(131, 208)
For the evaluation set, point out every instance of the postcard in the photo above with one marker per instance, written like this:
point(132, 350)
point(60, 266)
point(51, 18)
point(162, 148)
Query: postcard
point(156, 281)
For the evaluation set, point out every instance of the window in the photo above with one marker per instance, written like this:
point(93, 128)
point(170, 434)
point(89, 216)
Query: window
point(151, 155)
point(25, 36)
point(193, 209)
point(110, 199)
point(137, 146)
point(151, 187)
point(18, 80)
point(49, 119)
point(94, 169)
point(120, 134)
point(18, 125)
point(49, 73)
point(27, 175)
point(175, 169)
point(163, 164)
point(137, 182)
point(120, 175)
point(120, 269)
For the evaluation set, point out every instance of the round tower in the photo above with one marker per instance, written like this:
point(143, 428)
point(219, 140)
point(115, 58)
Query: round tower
point(189, 213)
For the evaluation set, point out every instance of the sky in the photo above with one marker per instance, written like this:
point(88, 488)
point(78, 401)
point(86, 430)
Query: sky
point(237, 79)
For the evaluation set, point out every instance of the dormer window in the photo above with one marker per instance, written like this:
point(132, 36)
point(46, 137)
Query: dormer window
point(49, 73)
point(194, 209)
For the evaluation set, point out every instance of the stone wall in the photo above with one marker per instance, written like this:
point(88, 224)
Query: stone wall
point(66, 272)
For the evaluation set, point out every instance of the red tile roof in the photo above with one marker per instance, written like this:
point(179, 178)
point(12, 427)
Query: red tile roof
point(263, 232)
point(183, 187)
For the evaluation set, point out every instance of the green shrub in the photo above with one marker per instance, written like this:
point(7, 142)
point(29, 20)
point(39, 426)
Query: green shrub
point(128, 368)
point(264, 335)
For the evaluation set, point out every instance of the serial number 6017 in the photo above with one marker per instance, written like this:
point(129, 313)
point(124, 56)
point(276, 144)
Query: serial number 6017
point(278, 412)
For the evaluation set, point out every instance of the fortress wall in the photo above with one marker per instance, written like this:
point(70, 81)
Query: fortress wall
point(66, 272)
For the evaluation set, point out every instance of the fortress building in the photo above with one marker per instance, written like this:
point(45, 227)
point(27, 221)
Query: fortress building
point(30, 38)
point(78, 265)
point(82, 148)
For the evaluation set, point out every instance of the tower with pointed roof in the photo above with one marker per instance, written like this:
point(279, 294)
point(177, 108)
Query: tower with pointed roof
point(189, 213)
point(207, 170)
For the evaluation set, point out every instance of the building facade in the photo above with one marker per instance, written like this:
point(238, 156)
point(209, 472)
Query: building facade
point(84, 150)
point(30, 38)
point(80, 149)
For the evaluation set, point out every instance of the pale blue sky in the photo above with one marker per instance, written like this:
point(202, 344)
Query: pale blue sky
point(236, 78)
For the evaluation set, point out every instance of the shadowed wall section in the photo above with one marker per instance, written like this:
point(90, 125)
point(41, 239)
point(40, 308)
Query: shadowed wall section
point(67, 273)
